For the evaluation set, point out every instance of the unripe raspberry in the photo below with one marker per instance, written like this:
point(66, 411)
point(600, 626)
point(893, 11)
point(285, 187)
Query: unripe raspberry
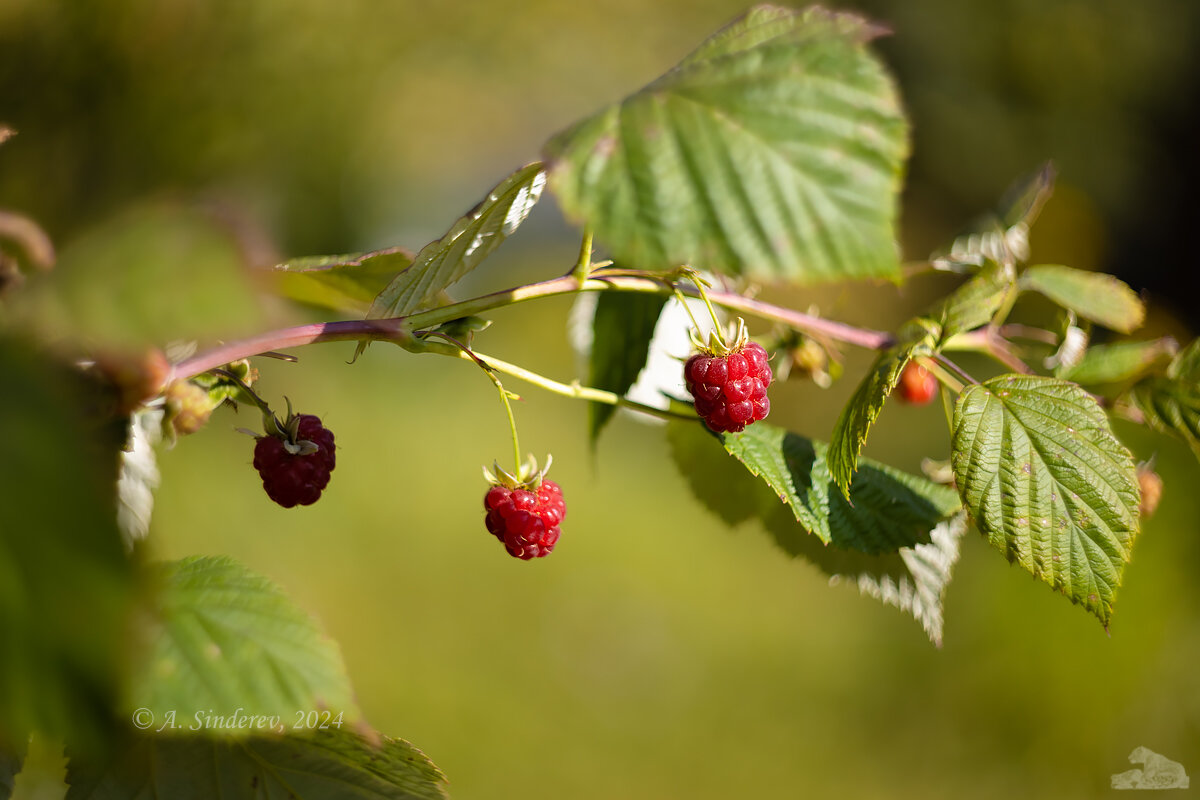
point(1151, 486)
point(917, 385)
point(188, 407)
point(730, 391)
point(295, 472)
point(526, 521)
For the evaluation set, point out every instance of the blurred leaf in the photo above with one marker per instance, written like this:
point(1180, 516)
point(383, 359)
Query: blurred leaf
point(1121, 362)
point(976, 302)
point(622, 328)
point(888, 509)
point(850, 433)
point(1003, 235)
point(1171, 403)
point(332, 764)
point(10, 766)
point(472, 238)
point(341, 283)
point(775, 150)
point(225, 639)
point(155, 274)
point(898, 541)
point(1048, 484)
point(66, 584)
point(1097, 296)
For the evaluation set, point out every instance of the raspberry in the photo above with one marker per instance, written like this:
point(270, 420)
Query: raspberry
point(525, 521)
point(291, 476)
point(917, 384)
point(730, 391)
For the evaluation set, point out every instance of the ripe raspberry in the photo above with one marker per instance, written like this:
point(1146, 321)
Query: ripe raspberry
point(526, 522)
point(917, 384)
point(730, 391)
point(292, 473)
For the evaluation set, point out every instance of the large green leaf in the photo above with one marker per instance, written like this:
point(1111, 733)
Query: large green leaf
point(1171, 403)
point(622, 329)
point(897, 541)
point(775, 150)
point(1092, 295)
point(1048, 484)
point(341, 283)
point(469, 241)
point(66, 583)
point(331, 764)
point(225, 639)
point(851, 430)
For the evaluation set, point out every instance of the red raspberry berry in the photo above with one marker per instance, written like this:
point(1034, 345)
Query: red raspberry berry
point(730, 391)
point(292, 479)
point(526, 522)
point(917, 384)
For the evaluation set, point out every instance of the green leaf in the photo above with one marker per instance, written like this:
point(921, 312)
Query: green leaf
point(897, 539)
point(850, 433)
point(1171, 403)
point(1097, 296)
point(66, 583)
point(622, 328)
point(331, 764)
point(1003, 234)
point(1048, 484)
point(888, 509)
point(1120, 362)
point(225, 639)
point(341, 283)
point(472, 238)
point(153, 274)
point(775, 150)
point(976, 302)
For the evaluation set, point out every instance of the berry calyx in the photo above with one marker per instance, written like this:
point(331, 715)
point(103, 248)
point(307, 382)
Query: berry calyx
point(730, 390)
point(295, 460)
point(917, 385)
point(524, 513)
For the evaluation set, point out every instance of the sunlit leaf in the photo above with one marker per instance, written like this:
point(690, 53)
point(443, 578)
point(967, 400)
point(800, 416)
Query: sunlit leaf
point(332, 764)
point(341, 283)
point(469, 241)
point(775, 150)
point(224, 638)
point(1097, 296)
point(1048, 484)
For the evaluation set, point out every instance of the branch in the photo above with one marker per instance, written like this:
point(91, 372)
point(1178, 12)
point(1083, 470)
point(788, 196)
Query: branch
point(400, 329)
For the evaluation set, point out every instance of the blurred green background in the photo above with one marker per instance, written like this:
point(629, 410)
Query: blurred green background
point(656, 654)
